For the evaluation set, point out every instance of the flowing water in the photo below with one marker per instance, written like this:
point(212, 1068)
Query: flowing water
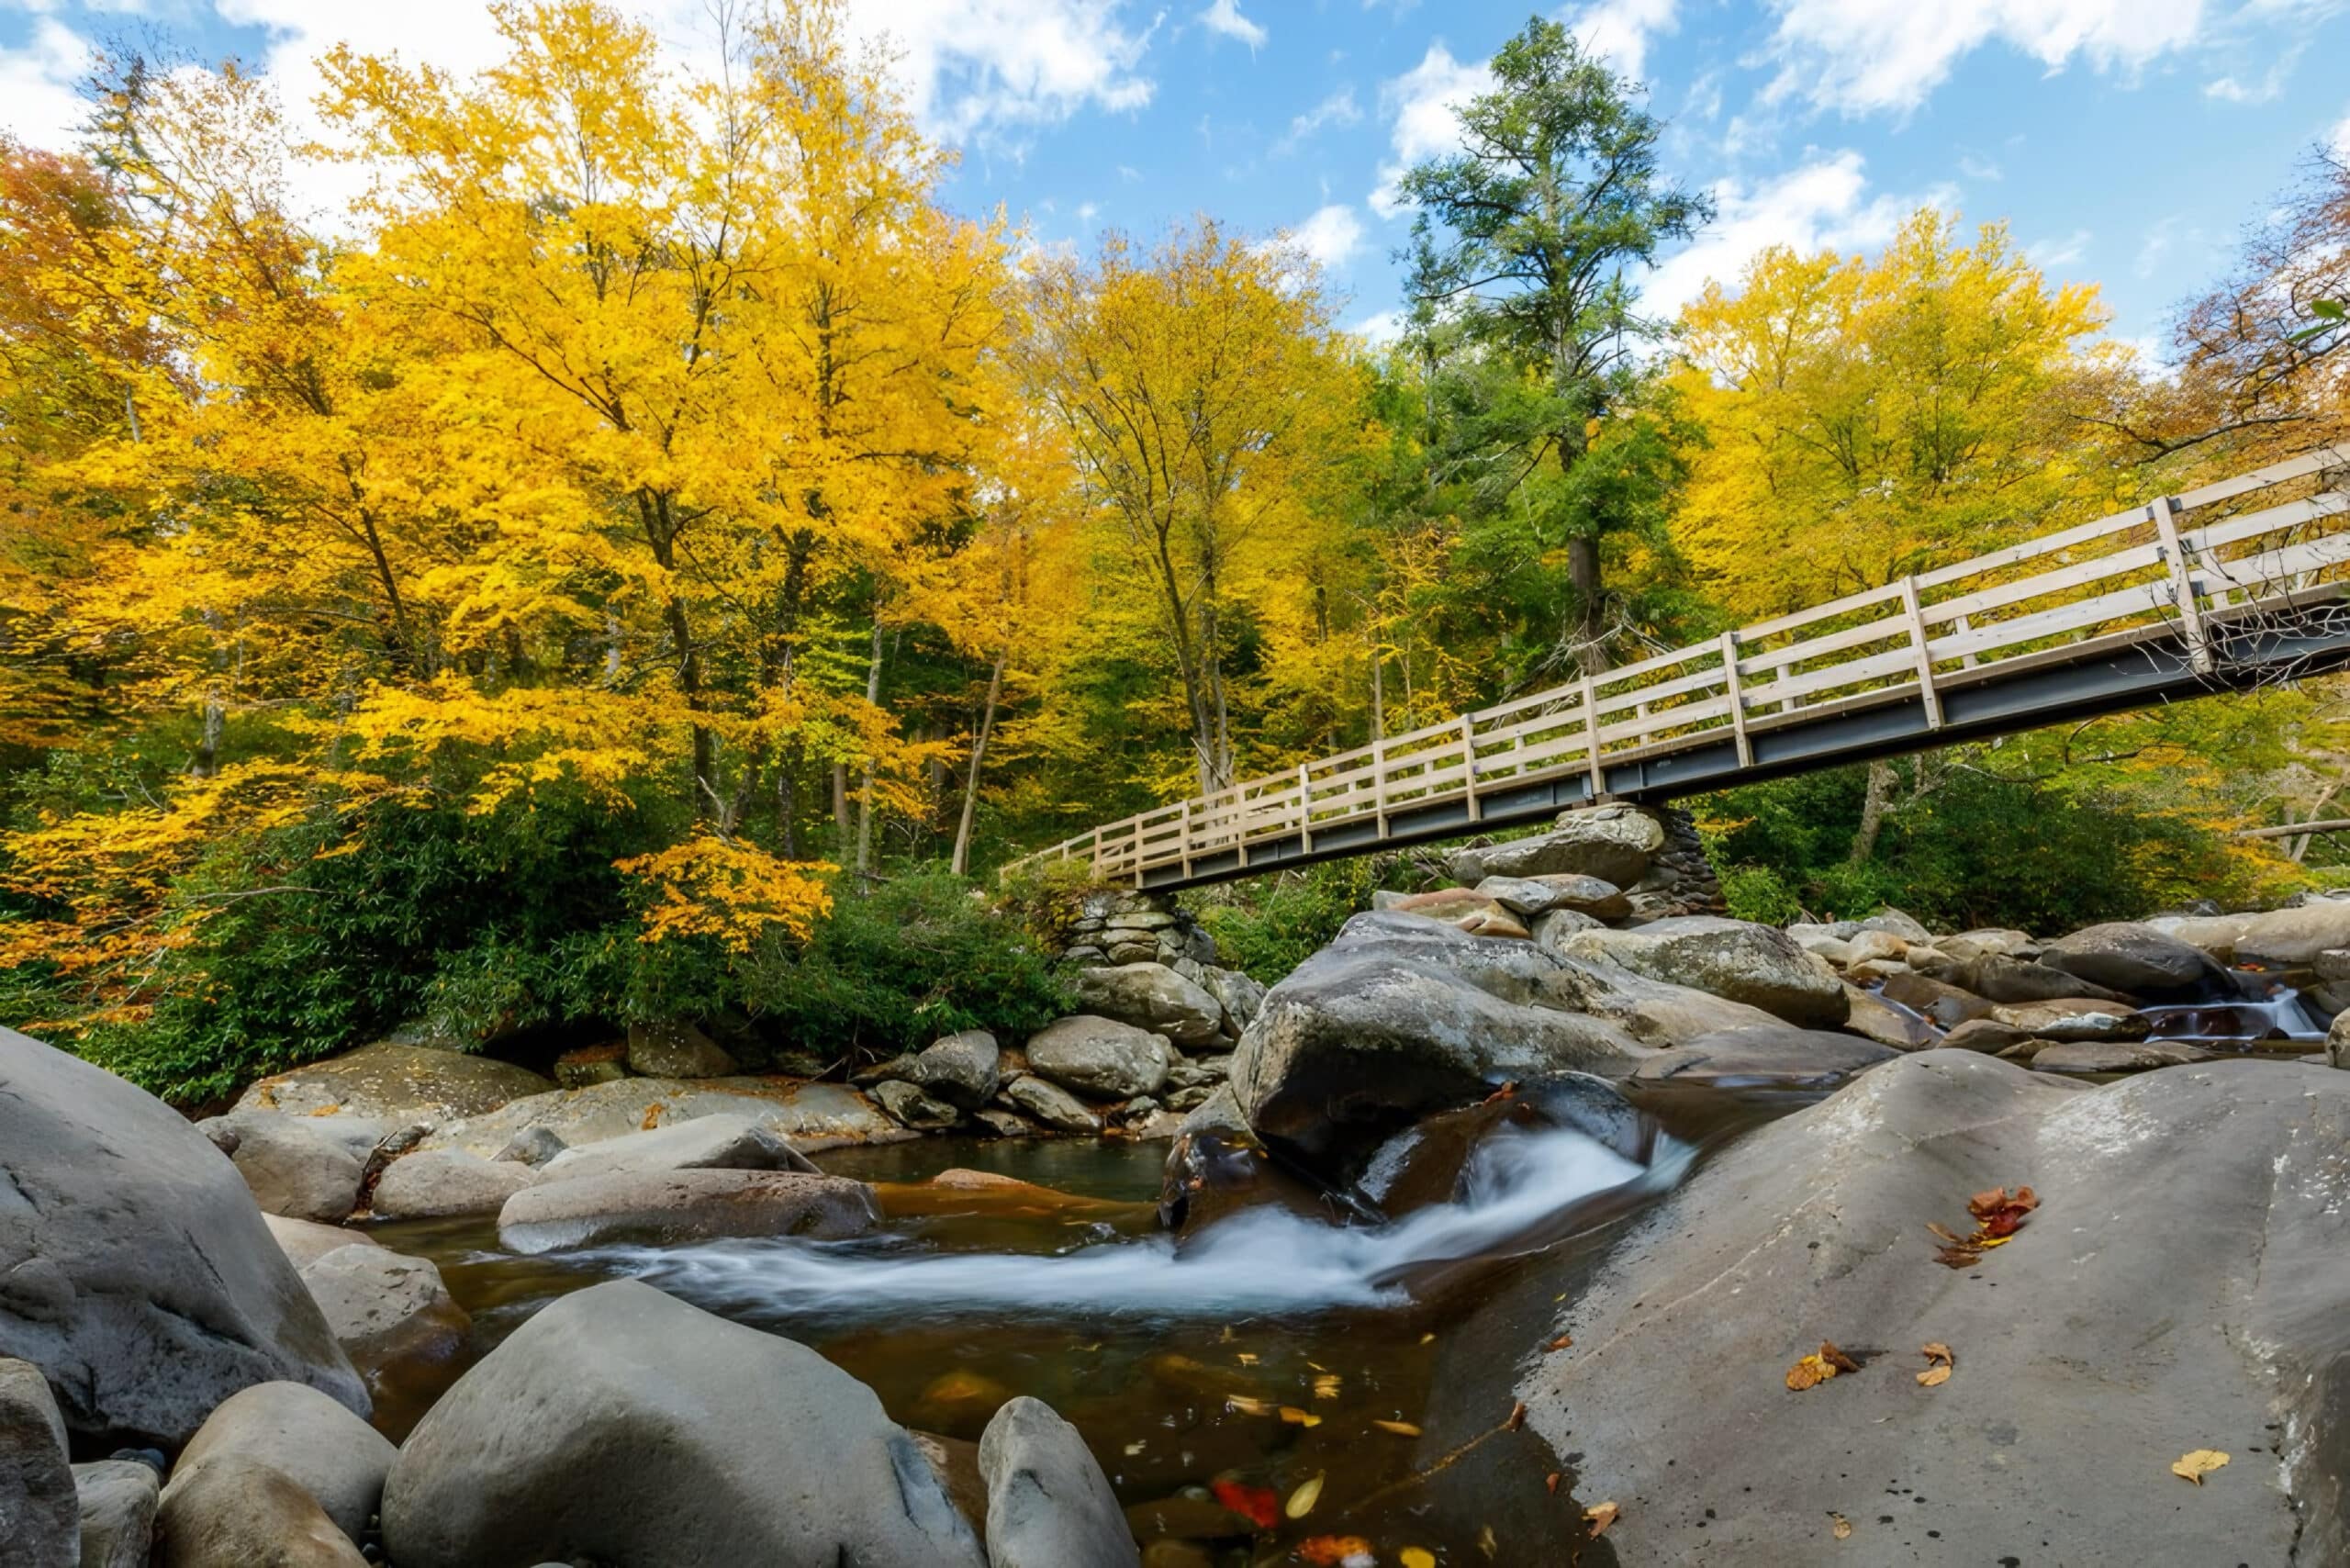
point(1258, 1352)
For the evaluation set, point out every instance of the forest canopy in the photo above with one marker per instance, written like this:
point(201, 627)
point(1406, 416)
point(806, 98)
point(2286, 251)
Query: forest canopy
point(646, 550)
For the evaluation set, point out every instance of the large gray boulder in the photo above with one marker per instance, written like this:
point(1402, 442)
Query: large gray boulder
point(1532, 896)
point(2003, 979)
point(1775, 1053)
point(118, 1500)
point(723, 1141)
point(440, 1183)
point(301, 1167)
point(1049, 1103)
point(620, 1425)
point(961, 1069)
point(811, 1116)
point(1400, 1016)
point(1240, 996)
point(1151, 997)
point(390, 1312)
point(40, 1517)
point(2179, 1287)
point(1100, 1056)
point(2138, 961)
point(1758, 965)
point(239, 1513)
point(2069, 1020)
point(2290, 938)
point(394, 1084)
point(1613, 843)
point(305, 1240)
point(135, 1270)
point(676, 1049)
point(337, 1458)
point(913, 1107)
point(1049, 1504)
point(684, 1205)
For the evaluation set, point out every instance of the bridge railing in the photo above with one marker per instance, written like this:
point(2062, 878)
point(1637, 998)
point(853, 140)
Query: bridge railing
point(2126, 576)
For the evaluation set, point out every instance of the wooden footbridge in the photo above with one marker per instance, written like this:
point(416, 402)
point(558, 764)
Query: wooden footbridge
point(2238, 584)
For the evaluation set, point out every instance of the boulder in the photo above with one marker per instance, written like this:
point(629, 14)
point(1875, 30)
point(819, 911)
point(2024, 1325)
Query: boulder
point(1553, 930)
point(1757, 965)
point(1874, 1018)
point(2337, 1041)
point(337, 1458)
point(2067, 1020)
point(135, 1269)
point(301, 1167)
point(1532, 896)
point(1615, 843)
point(961, 1069)
point(912, 1108)
point(303, 1240)
point(1449, 904)
point(2179, 1287)
point(393, 1083)
point(2137, 961)
point(390, 1312)
point(721, 1141)
point(1239, 995)
point(239, 1513)
point(1987, 1036)
point(620, 1425)
point(1400, 1016)
point(1939, 1001)
point(995, 1122)
point(2002, 979)
point(1892, 923)
point(1100, 1056)
point(2287, 939)
point(1049, 1103)
point(437, 1183)
point(39, 1516)
point(592, 1064)
point(1876, 947)
point(676, 1049)
point(116, 1498)
point(533, 1146)
point(1494, 922)
point(1049, 1504)
point(1989, 942)
point(1775, 1053)
point(810, 1115)
point(684, 1205)
point(1150, 997)
point(2138, 1055)
point(1653, 1011)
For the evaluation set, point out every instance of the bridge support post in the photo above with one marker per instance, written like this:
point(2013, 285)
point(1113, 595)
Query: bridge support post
point(1469, 766)
point(1304, 808)
point(2164, 513)
point(1926, 692)
point(1590, 738)
point(1735, 690)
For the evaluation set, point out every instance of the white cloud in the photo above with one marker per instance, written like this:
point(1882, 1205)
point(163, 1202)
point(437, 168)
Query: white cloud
point(1421, 107)
point(1822, 203)
point(39, 101)
point(1975, 168)
point(1224, 17)
point(1863, 56)
point(2228, 90)
point(1330, 236)
point(1380, 329)
point(2339, 142)
point(1617, 30)
point(2166, 235)
point(2060, 253)
point(1338, 109)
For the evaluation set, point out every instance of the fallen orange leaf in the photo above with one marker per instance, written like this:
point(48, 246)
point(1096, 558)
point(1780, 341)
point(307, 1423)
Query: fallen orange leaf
point(1517, 1417)
point(1332, 1550)
point(1561, 1343)
point(1935, 1376)
point(1551, 1481)
point(1416, 1557)
point(1401, 1429)
point(1841, 1529)
point(2194, 1466)
point(1260, 1506)
point(1599, 1516)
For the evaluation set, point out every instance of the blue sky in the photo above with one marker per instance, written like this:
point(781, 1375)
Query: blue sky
point(2127, 142)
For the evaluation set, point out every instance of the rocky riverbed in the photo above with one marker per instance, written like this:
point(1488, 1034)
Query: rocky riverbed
point(1537, 1219)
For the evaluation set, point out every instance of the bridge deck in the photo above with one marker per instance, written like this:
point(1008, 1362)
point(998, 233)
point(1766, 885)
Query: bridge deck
point(2117, 614)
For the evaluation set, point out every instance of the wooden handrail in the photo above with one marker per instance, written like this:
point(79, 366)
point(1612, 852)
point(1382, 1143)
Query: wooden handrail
point(2144, 569)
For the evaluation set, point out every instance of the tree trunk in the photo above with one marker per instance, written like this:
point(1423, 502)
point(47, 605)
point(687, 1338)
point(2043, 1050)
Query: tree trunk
point(1873, 804)
point(962, 862)
point(864, 792)
point(1378, 693)
point(1583, 570)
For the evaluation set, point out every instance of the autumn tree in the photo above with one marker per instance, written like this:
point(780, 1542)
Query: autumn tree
point(1531, 238)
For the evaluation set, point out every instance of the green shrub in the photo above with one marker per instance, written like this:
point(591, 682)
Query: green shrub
point(1267, 926)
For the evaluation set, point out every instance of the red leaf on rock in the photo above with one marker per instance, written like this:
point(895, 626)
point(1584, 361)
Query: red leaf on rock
point(1260, 1506)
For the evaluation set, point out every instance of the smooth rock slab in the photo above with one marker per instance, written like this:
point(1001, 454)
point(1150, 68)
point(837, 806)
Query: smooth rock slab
point(1049, 1504)
point(620, 1425)
point(2138, 961)
point(1050, 1103)
point(2090, 1055)
point(908, 1104)
point(40, 1519)
point(238, 1513)
point(1100, 1056)
point(300, 1167)
point(394, 1083)
point(118, 1498)
point(135, 1267)
point(2181, 1287)
point(1734, 959)
point(2074, 1019)
point(721, 1141)
point(337, 1458)
point(684, 1205)
point(1613, 843)
point(305, 1241)
point(439, 1183)
point(811, 1116)
point(1775, 1053)
point(1153, 998)
point(390, 1312)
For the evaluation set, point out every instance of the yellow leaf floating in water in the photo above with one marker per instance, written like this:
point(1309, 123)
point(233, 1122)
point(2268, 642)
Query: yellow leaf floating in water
point(1416, 1557)
point(1246, 1405)
point(2194, 1466)
point(1301, 1501)
point(1297, 1417)
point(1401, 1429)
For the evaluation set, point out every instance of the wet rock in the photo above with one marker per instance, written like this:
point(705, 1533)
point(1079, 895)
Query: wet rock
point(2337, 1042)
point(116, 1499)
point(684, 1205)
point(390, 1312)
point(810, 1116)
point(1049, 1504)
point(135, 1267)
point(239, 1513)
point(676, 1049)
point(1532, 896)
point(304, 1240)
point(2185, 1215)
point(1945, 1004)
point(1049, 1103)
point(2284, 938)
point(592, 1064)
point(620, 1424)
point(1100, 1056)
point(1150, 997)
point(1448, 905)
point(958, 1402)
point(900, 1066)
point(1399, 1017)
point(720, 1141)
point(1874, 1018)
point(1613, 843)
point(394, 1083)
point(1732, 959)
point(334, 1456)
point(2137, 961)
point(1775, 1054)
point(1653, 1011)
point(441, 1182)
point(39, 1517)
point(301, 1167)
point(912, 1108)
point(962, 1069)
point(1987, 1036)
point(2115, 1057)
point(999, 1123)
point(2067, 1020)
point(533, 1146)
point(2002, 979)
